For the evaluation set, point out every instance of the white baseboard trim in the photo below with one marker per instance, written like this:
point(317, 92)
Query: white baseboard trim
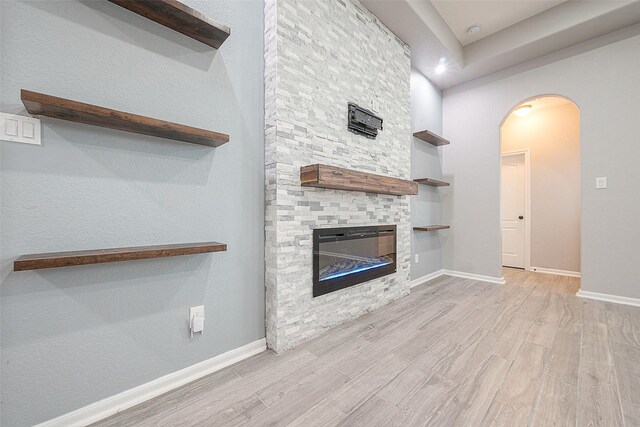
point(106, 407)
point(479, 277)
point(426, 278)
point(555, 271)
point(609, 298)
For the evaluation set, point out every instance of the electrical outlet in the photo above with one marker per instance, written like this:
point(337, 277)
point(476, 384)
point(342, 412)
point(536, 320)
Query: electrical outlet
point(417, 258)
point(23, 129)
point(196, 319)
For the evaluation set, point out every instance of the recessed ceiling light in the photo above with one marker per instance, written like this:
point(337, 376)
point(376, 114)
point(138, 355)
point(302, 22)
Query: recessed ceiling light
point(474, 29)
point(522, 110)
point(442, 66)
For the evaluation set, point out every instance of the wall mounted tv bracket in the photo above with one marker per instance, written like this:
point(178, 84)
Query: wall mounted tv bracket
point(363, 122)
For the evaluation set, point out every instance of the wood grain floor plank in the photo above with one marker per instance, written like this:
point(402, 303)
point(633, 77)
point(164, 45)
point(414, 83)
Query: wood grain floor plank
point(541, 333)
point(594, 311)
point(557, 403)
point(596, 360)
point(268, 360)
point(624, 324)
point(409, 380)
point(227, 397)
point(564, 355)
point(372, 413)
point(300, 401)
point(627, 367)
point(238, 413)
point(353, 394)
point(473, 399)
point(505, 415)
point(456, 352)
point(466, 360)
point(172, 399)
point(427, 403)
point(570, 314)
point(345, 399)
point(599, 405)
point(534, 305)
point(511, 338)
point(631, 414)
point(396, 337)
point(328, 342)
point(520, 387)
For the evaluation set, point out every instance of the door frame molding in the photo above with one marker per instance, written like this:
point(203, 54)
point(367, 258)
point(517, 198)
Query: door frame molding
point(527, 201)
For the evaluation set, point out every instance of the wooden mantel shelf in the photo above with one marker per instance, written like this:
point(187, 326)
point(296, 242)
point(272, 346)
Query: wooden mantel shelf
point(431, 138)
point(181, 18)
point(432, 182)
point(99, 256)
point(323, 176)
point(74, 111)
point(432, 228)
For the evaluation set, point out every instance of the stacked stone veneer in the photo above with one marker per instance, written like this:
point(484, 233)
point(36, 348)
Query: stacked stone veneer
point(320, 55)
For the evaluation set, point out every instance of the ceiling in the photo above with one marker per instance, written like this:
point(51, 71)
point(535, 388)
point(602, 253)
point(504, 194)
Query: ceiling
point(513, 32)
point(490, 16)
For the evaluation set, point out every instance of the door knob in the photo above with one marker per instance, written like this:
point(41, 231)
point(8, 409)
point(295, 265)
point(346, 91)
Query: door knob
point(520, 217)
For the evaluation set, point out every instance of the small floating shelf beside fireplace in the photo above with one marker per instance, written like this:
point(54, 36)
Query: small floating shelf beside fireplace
point(350, 180)
point(344, 257)
point(432, 182)
point(431, 138)
point(432, 227)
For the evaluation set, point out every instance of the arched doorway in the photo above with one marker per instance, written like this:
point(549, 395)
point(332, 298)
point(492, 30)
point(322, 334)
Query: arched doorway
point(540, 192)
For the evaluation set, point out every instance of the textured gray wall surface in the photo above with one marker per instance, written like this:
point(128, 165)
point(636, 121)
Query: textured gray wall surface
point(426, 207)
point(72, 336)
point(320, 55)
point(605, 85)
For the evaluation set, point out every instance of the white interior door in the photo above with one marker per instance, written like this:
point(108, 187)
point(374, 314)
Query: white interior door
point(513, 197)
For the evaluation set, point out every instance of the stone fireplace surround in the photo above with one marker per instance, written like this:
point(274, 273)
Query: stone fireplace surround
point(320, 55)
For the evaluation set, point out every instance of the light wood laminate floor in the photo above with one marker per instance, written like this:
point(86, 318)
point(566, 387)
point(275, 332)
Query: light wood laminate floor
point(454, 352)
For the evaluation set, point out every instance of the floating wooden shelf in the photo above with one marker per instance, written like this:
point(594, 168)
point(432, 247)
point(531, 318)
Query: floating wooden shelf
point(74, 111)
point(432, 228)
point(98, 256)
point(323, 176)
point(431, 138)
point(432, 182)
point(181, 18)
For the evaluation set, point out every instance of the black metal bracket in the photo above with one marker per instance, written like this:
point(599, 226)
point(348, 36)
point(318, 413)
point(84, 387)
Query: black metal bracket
point(363, 122)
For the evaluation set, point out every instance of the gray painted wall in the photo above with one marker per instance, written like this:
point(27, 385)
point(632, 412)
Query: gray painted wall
point(426, 207)
point(71, 336)
point(605, 85)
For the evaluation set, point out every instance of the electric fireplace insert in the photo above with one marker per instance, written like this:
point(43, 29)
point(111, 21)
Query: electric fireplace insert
point(344, 257)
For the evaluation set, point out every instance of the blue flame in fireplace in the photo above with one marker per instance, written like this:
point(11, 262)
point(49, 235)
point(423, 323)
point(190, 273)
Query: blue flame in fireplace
point(355, 270)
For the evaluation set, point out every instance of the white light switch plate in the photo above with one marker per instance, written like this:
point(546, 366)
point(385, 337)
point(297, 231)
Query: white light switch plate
point(601, 182)
point(417, 258)
point(23, 129)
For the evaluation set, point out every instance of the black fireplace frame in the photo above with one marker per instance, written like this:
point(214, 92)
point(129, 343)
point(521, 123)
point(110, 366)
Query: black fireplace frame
point(347, 233)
